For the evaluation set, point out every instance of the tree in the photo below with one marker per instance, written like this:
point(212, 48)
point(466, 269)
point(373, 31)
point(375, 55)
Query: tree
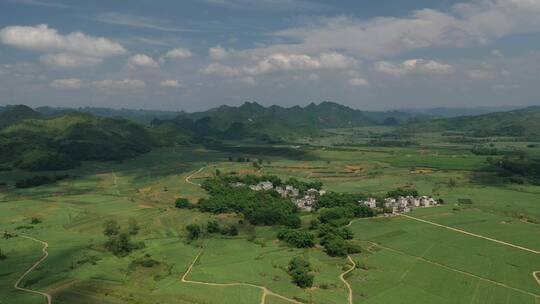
point(35, 221)
point(335, 247)
point(299, 269)
point(299, 239)
point(218, 172)
point(293, 221)
point(182, 203)
point(194, 231)
point(2, 255)
point(120, 245)
point(111, 228)
point(212, 226)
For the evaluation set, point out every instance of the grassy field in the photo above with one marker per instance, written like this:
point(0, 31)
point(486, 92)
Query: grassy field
point(402, 261)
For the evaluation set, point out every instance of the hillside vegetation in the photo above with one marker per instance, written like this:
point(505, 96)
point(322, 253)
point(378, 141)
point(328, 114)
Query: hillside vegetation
point(254, 120)
point(59, 143)
point(518, 123)
point(13, 114)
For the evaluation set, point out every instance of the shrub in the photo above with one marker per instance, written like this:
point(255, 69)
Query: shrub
point(182, 203)
point(2, 255)
point(133, 227)
point(212, 226)
point(35, 221)
point(299, 269)
point(335, 247)
point(111, 228)
point(121, 245)
point(299, 239)
point(194, 231)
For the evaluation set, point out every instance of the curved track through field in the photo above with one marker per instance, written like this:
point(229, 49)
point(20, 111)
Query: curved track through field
point(265, 291)
point(43, 258)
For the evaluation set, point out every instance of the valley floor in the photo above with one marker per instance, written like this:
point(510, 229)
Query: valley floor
point(485, 252)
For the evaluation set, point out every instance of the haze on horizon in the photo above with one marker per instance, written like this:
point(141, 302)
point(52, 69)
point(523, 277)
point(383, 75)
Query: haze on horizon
point(197, 54)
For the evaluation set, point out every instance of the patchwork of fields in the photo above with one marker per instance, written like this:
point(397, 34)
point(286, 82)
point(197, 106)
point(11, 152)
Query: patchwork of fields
point(402, 260)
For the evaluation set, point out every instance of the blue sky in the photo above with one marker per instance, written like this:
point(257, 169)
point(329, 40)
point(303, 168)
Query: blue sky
point(196, 54)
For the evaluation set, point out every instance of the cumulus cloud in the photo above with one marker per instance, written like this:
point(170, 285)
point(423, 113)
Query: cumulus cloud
point(178, 53)
point(43, 38)
point(172, 83)
point(218, 53)
point(142, 60)
point(119, 84)
point(413, 66)
point(282, 62)
point(478, 22)
point(67, 84)
point(67, 60)
point(358, 82)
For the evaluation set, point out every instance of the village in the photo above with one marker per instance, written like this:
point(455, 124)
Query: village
point(307, 200)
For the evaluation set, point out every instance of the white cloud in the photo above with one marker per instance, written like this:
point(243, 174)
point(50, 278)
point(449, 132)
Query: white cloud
point(67, 60)
point(172, 83)
point(218, 69)
point(477, 22)
point(218, 53)
point(178, 53)
point(480, 74)
point(358, 82)
point(67, 84)
point(142, 60)
point(43, 38)
point(282, 62)
point(413, 66)
point(119, 84)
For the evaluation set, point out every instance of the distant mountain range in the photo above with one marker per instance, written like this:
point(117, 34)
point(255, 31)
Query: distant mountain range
point(443, 112)
point(253, 119)
point(53, 139)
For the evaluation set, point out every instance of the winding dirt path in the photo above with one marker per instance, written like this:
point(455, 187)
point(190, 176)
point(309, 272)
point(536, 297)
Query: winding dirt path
point(342, 277)
point(188, 178)
point(265, 291)
point(115, 182)
point(43, 258)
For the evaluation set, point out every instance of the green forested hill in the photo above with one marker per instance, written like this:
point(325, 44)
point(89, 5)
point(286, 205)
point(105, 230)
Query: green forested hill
point(58, 143)
point(520, 123)
point(13, 114)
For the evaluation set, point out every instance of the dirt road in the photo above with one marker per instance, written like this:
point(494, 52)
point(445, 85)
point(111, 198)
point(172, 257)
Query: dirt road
point(43, 258)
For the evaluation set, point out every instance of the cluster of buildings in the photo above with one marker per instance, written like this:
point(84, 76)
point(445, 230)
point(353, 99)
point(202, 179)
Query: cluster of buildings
point(402, 204)
point(304, 201)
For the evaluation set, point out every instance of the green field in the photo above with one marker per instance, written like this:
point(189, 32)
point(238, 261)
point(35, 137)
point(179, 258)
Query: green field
point(402, 260)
